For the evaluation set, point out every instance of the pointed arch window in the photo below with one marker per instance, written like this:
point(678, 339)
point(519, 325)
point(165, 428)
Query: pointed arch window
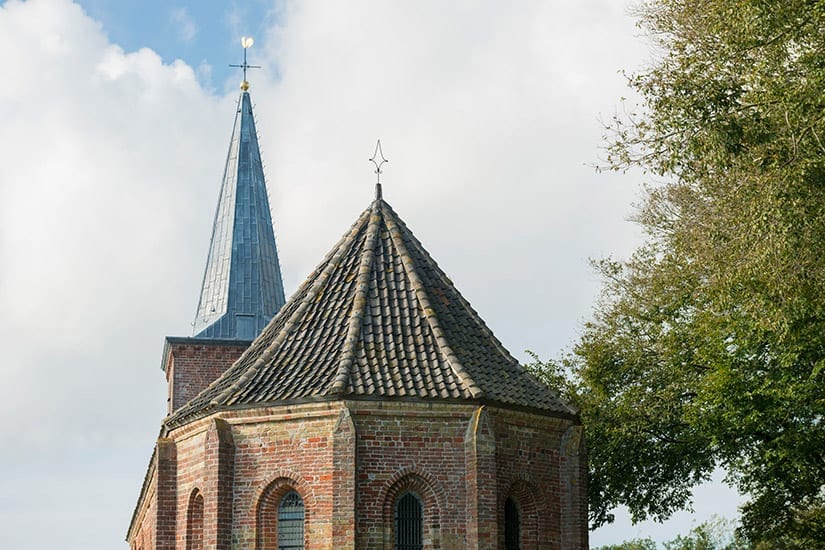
point(291, 522)
point(409, 522)
point(512, 525)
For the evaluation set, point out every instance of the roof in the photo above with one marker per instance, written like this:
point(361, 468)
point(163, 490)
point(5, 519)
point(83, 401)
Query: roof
point(377, 319)
point(242, 288)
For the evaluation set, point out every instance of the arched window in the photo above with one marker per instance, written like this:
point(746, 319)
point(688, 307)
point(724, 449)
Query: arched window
point(291, 522)
point(194, 522)
point(409, 522)
point(512, 525)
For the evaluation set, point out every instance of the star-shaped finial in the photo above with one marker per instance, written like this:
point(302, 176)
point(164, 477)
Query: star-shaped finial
point(376, 162)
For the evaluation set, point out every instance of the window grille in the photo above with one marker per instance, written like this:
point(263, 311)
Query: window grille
point(291, 522)
point(409, 524)
point(512, 526)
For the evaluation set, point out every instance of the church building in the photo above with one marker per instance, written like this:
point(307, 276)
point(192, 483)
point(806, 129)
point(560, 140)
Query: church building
point(372, 410)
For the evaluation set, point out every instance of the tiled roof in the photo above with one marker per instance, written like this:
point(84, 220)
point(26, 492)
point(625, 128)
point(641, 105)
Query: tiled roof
point(377, 319)
point(242, 288)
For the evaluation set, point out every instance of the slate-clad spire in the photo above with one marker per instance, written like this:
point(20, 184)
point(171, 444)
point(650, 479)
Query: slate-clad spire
point(242, 287)
point(377, 319)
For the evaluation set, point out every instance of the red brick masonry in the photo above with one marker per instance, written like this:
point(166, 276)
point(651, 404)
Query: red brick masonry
point(191, 364)
point(349, 460)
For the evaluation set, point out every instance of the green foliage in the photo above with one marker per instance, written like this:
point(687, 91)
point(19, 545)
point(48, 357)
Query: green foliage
point(635, 544)
point(708, 345)
point(714, 534)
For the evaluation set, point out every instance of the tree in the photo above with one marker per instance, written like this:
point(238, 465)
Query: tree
point(635, 544)
point(707, 347)
point(715, 534)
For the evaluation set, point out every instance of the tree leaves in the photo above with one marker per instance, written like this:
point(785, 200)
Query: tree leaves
point(707, 345)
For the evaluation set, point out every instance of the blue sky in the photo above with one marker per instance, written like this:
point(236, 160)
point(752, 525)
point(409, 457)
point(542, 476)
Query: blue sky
point(206, 35)
point(115, 123)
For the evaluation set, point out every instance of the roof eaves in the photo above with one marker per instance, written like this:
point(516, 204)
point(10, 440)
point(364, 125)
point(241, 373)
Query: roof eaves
point(543, 411)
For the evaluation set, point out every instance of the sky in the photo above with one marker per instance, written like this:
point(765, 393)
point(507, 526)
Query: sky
point(114, 122)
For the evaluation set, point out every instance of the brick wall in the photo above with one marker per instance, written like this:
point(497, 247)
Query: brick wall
point(527, 470)
point(480, 458)
point(291, 449)
point(191, 364)
point(166, 524)
point(350, 461)
point(574, 488)
point(411, 446)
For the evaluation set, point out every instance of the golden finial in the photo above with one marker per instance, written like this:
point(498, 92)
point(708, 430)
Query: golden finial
point(246, 42)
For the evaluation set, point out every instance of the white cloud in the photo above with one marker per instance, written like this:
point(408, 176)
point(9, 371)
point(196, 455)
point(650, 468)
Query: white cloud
point(187, 29)
point(489, 116)
point(204, 75)
point(109, 158)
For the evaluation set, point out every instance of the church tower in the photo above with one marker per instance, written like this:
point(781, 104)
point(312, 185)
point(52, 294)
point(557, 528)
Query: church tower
point(375, 411)
point(242, 287)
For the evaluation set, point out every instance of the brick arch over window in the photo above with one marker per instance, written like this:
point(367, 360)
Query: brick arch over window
point(194, 521)
point(428, 490)
point(523, 495)
point(268, 503)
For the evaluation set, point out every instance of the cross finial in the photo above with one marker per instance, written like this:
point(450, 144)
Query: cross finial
point(246, 42)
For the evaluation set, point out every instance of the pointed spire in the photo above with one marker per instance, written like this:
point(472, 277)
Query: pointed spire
point(242, 286)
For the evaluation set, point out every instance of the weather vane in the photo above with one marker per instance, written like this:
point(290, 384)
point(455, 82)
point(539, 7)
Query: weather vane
point(378, 163)
point(246, 42)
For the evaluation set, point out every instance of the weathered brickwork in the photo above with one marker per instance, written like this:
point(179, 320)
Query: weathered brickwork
point(527, 470)
point(166, 523)
point(410, 446)
point(291, 451)
point(350, 461)
point(480, 460)
point(194, 522)
point(191, 364)
point(574, 487)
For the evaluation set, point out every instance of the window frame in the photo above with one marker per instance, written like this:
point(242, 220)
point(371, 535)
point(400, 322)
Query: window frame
point(413, 538)
point(293, 522)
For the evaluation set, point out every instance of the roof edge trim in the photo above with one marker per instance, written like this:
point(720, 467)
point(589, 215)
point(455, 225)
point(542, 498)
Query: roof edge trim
point(374, 399)
point(144, 488)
